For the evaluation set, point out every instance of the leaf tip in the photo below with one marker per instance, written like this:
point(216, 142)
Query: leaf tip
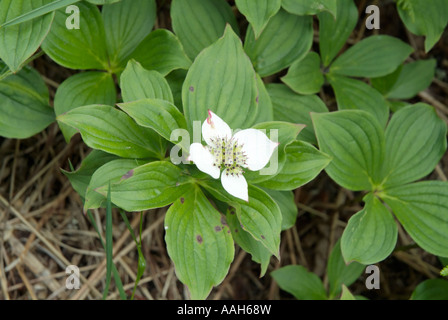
point(300, 126)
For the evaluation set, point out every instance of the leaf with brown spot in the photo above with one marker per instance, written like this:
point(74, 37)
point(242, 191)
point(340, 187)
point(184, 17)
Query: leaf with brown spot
point(153, 185)
point(200, 253)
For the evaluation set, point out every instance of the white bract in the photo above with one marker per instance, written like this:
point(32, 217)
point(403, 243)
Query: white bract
point(249, 148)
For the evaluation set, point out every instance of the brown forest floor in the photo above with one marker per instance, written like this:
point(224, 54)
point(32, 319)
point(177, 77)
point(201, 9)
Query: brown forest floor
point(43, 229)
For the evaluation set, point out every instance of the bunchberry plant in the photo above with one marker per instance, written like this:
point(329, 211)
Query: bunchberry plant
point(143, 129)
point(221, 127)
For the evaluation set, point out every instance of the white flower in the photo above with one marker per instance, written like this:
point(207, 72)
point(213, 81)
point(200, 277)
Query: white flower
point(249, 148)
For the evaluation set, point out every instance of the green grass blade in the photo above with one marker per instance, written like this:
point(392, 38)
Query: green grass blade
point(140, 270)
point(73, 169)
point(118, 283)
point(5, 72)
point(141, 258)
point(50, 7)
point(128, 225)
point(109, 253)
point(117, 279)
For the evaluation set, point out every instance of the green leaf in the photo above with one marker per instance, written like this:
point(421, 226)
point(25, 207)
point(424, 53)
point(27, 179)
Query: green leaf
point(422, 208)
point(200, 23)
point(287, 205)
point(302, 284)
point(159, 115)
point(101, 2)
point(431, 289)
point(176, 80)
point(443, 261)
point(258, 12)
point(198, 242)
point(385, 83)
point(83, 48)
point(108, 129)
point(261, 217)
point(80, 178)
point(415, 143)
point(306, 7)
point(339, 273)
point(24, 106)
point(357, 95)
point(4, 71)
point(244, 239)
point(221, 79)
point(414, 77)
point(292, 107)
point(355, 141)
point(407, 80)
point(428, 18)
point(333, 33)
point(265, 108)
point(286, 132)
point(396, 105)
point(112, 171)
point(286, 38)
point(162, 51)
point(126, 24)
point(304, 75)
point(371, 234)
point(374, 56)
point(19, 42)
point(346, 294)
point(138, 83)
point(303, 163)
point(83, 89)
point(153, 185)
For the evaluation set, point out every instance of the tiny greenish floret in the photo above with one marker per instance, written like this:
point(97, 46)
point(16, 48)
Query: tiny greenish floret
point(228, 154)
point(248, 148)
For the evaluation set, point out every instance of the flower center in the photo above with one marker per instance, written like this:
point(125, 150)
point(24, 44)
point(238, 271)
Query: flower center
point(228, 154)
